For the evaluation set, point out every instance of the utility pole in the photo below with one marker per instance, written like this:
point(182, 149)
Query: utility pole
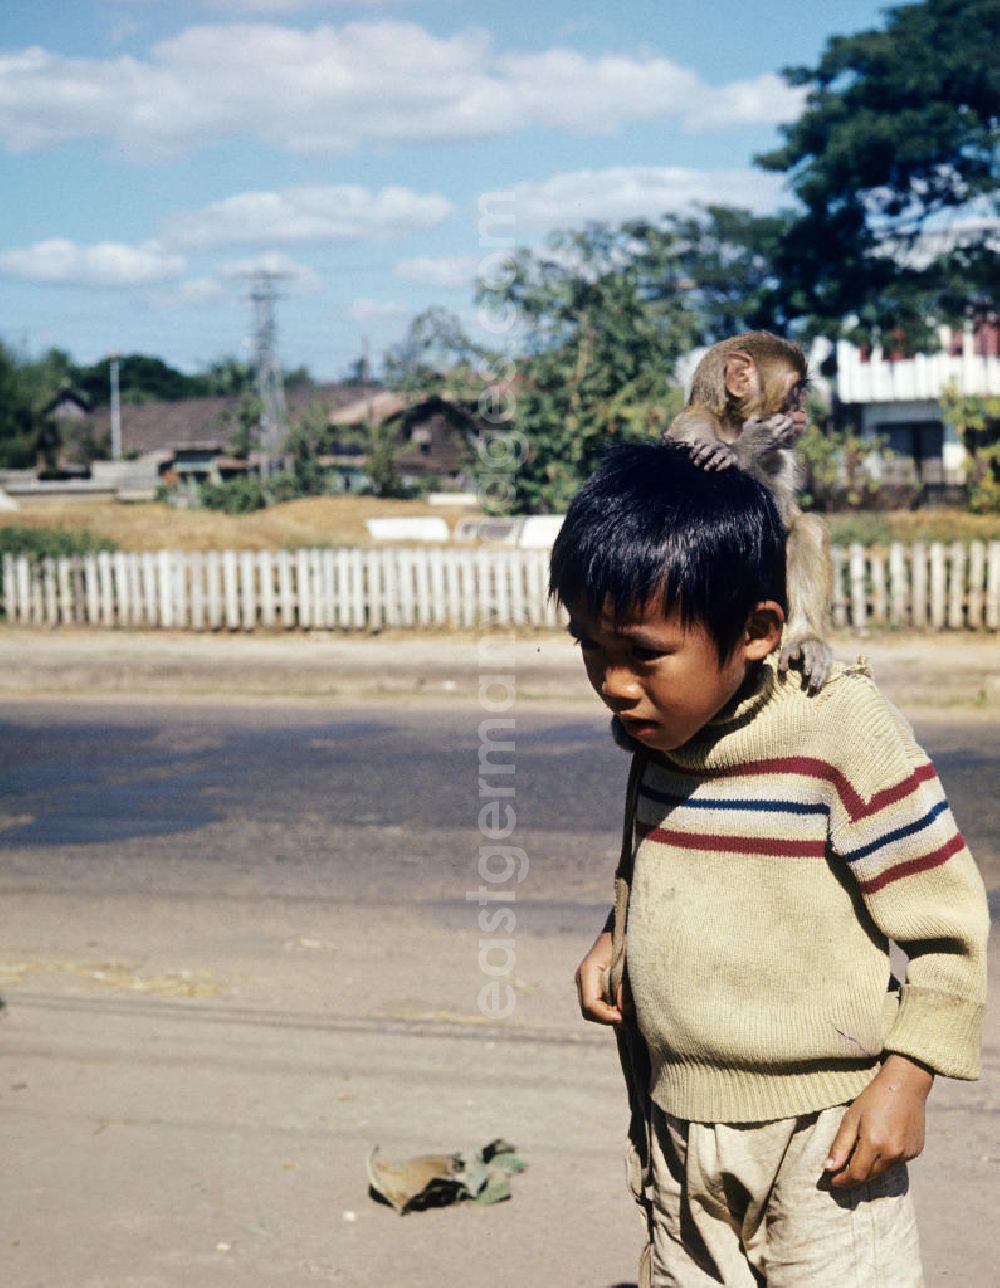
point(264, 342)
point(116, 408)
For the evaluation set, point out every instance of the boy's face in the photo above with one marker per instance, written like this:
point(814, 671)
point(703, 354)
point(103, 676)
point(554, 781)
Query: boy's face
point(661, 678)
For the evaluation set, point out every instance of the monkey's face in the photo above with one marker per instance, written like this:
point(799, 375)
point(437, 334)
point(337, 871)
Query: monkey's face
point(662, 678)
point(793, 402)
point(760, 390)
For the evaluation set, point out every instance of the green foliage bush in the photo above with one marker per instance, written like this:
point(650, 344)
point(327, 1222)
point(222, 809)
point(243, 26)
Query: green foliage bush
point(47, 543)
point(836, 478)
point(977, 422)
point(51, 543)
point(235, 496)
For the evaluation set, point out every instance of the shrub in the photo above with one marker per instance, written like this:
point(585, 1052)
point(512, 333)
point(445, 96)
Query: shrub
point(837, 477)
point(235, 496)
point(51, 543)
point(284, 487)
point(977, 423)
point(47, 543)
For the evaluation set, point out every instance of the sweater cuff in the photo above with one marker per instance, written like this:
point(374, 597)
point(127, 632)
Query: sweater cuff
point(940, 1030)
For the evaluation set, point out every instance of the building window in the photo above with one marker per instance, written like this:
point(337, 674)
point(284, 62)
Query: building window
point(920, 441)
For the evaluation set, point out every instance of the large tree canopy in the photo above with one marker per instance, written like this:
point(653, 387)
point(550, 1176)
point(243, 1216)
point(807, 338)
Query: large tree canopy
point(720, 263)
point(895, 160)
point(601, 327)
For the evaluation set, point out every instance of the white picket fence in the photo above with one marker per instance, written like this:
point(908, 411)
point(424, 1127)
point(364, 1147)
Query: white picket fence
point(305, 589)
point(918, 586)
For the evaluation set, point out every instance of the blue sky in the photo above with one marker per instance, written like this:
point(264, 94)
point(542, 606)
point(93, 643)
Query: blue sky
point(155, 152)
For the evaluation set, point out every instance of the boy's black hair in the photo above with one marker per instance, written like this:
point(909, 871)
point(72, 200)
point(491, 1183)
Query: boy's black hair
point(651, 524)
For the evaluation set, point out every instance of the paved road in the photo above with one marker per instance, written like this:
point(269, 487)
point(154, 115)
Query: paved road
point(89, 777)
point(239, 949)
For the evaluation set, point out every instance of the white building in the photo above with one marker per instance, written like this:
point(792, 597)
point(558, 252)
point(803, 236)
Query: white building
point(898, 399)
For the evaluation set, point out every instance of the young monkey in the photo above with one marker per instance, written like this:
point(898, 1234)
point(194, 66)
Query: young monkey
point(747, 408)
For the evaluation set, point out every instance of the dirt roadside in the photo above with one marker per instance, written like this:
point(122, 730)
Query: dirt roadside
point(926, 670)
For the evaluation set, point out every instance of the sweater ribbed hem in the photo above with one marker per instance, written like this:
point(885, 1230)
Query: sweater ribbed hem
point(938, 1029)
point(708, 1094)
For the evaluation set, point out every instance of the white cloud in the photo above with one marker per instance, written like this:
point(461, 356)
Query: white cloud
point(334, 88)
point(314, 214)
point(635, 192)
point(294, 6)
point(258, 6)
point(445, 272)
point(299, 279)
point(231, 280)
point(593, 96)
point(368, 310)
point(104, 264)
point(765, 100)
point(199, 290)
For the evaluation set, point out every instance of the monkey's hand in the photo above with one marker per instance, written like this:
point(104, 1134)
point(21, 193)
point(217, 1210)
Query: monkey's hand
point(815, 655)
point(766, 435)
point(712, 454)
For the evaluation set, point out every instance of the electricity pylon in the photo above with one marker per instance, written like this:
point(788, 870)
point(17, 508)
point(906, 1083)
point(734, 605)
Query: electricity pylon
point(264, 341)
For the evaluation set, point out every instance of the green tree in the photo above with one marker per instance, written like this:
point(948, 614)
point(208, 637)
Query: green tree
point(45, 376)
point(242, 423)
point(298, 378)
point(225, 378)
point(374, 443)
point(141, 378)
point(721, 261)
point(897, 137)
point(603, 328)
point(977, 423)
point(27, 432)
point(146, 378)
point(383, 477)
point(20, 423)
point(436, 355)
point(308, 440)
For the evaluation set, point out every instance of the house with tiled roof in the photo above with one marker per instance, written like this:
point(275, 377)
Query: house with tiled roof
point(206, 424)
point(434, 436)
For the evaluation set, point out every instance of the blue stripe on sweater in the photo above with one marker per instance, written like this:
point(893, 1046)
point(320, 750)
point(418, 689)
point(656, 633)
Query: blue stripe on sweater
point(756, 806)
point(854, 855)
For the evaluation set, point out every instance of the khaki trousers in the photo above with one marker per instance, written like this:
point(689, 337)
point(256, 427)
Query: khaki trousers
point(745, 1204)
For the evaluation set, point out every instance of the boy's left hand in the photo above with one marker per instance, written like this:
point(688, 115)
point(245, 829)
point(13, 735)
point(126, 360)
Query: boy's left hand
point(885, 1125)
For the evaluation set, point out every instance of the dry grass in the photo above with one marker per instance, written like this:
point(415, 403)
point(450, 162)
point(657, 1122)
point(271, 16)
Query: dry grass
point(876, 528)
point(323, 521)
point(340, 521)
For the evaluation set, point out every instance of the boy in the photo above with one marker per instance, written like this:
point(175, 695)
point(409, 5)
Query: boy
point(777, 1074)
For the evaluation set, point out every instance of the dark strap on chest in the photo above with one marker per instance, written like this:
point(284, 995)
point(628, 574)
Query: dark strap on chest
point(623, 874)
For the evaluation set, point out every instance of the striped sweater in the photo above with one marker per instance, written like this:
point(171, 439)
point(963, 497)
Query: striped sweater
point(778, 854)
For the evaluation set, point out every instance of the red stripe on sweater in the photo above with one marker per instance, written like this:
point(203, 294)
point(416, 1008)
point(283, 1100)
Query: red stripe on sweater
point(733, 844)
point(812, 767)
point(911, 866)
